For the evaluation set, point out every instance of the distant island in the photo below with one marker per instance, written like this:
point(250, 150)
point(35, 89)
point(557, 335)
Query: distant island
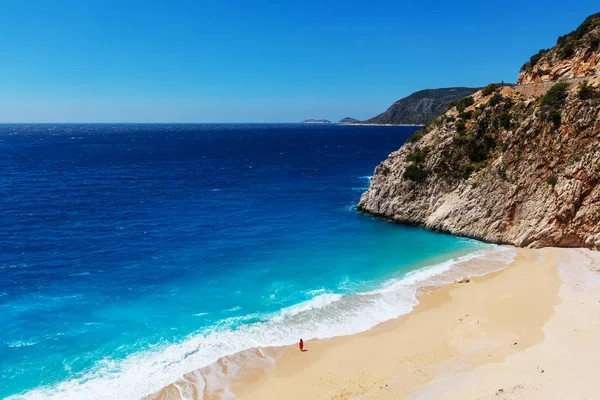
point(420, 107)
point(316, 121)
point(348, 120)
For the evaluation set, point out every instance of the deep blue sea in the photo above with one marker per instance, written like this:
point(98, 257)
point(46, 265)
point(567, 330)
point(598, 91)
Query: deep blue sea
point(132, 254)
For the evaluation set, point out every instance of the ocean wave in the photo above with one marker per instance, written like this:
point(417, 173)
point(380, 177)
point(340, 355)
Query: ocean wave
point(21, 343)
point(200, 314)
point(316, 303)
point(326, 315)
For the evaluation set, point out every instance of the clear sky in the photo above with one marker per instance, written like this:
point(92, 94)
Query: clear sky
point(257, 61)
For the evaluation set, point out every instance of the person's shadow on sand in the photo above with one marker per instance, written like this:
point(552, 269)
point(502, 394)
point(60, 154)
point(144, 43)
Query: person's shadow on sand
point(304, 350)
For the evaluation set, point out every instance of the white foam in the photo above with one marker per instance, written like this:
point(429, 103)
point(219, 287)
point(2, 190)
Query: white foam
point(80, 274)
point(21, 343)
point(326, 315)
point(316, 303)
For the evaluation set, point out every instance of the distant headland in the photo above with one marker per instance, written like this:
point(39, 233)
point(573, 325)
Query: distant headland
point(316, 121)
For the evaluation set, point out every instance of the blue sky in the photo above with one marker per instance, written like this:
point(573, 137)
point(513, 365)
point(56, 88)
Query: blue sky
point(257, 61)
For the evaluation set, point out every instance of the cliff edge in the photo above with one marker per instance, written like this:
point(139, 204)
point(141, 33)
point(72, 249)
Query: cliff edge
point(507, 164)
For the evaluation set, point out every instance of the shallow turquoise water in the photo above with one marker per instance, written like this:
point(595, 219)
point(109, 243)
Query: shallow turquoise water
point(131, 254)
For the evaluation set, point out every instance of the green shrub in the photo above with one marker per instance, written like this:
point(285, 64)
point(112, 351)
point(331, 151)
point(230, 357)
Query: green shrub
point(537, 57)
point(489, 89)
point(562, 40)
point(460, 125)
point(552, 180)
point(555, 95)
point(495, 99)
point(466, 115)
point(415, 137)
point(461, 139)
point(533, 60)
point(554, 117)
point(441, 168)
point(586, 92)
point(415, 173)
point(417, 156)
point(494, 121)
point(566, 51)
point(468, 170)
point(504, 120)
point(478, 152)
point(594, 42)
point(576, 157)
point(552, 101)
point(461, 104)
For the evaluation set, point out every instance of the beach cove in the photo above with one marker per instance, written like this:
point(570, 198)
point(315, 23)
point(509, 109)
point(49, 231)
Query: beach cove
point(510, 334)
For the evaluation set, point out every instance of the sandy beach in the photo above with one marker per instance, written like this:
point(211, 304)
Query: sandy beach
point(526, 332)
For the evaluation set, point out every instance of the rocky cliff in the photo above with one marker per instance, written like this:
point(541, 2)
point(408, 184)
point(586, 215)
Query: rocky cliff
point(420, 107)
point(503, 165)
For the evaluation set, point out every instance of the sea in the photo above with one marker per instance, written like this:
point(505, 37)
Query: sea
point(132, 254)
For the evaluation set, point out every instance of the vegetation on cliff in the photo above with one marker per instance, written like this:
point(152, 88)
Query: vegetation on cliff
point(504, 165)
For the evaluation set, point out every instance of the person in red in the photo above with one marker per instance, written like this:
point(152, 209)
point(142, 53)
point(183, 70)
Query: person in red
point(301, 345)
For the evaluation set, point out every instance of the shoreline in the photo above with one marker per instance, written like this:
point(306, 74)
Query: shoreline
point(454, 330)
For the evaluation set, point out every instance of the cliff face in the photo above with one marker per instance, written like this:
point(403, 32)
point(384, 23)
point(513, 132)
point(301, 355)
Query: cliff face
point(575, 54)
point(502, 166)
point(420, 107)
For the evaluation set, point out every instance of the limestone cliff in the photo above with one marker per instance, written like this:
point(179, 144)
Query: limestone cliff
point(504, 165)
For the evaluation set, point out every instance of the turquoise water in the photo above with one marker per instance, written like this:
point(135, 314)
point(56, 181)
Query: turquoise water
point(132, 254)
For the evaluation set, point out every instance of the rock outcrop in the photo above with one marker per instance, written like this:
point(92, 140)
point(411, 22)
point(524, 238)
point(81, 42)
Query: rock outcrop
point(575, 54)
point(503, 166)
